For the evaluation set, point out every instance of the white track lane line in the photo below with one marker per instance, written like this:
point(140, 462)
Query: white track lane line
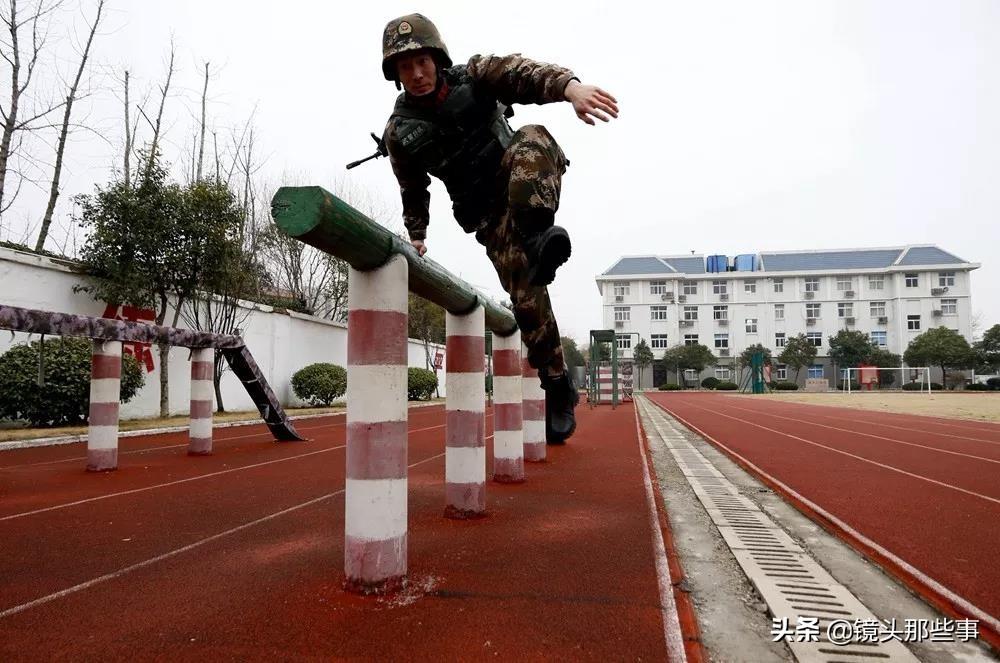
point(177, 551)
point(877, 437)
point(668, 606)
point(855, 456)
point(179, 481)
point(970, 608)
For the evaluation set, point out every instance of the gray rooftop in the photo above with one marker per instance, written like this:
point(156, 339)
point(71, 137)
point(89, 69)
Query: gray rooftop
point(929, 255)
point(791, 262)
point(639, 265)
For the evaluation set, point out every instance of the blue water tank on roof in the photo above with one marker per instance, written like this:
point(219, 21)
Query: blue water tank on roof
point(718, 263)
point(746, 262)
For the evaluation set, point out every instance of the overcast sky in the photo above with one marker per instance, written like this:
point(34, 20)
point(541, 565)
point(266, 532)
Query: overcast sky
point(745, 126)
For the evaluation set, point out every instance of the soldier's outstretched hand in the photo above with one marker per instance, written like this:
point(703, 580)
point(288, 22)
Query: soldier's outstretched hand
point(590, 100)
point(418, 244)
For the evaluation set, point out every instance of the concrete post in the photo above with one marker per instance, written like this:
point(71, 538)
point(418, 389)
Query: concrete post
point(534, 411)
point(202, 401)
point(465, 437)
point(105, 392)
point(508, 438)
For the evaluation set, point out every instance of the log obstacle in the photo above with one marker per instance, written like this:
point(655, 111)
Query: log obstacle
point(383, 268)
point(105, 378)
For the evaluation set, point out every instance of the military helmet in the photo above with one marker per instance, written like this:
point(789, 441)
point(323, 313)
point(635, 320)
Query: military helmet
point(410, 33)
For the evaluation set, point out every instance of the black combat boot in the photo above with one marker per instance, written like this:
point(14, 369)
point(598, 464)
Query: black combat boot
point(561, 397)
point(547, 246)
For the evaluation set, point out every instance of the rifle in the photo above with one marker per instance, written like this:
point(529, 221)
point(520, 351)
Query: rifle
point(382, 151)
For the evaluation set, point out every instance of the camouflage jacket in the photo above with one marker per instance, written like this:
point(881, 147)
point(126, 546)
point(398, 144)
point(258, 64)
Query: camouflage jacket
point(510, 79)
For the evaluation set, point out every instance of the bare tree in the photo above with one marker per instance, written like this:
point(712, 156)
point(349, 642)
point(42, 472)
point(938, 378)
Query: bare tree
point(64, 132)
point(165, 90)
point(22, 74)
point(201, 143)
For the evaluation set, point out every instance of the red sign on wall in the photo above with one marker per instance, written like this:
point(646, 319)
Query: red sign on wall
point(141, 351)
point(438, 360)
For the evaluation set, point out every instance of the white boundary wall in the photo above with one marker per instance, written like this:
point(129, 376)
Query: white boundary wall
point(281, 342)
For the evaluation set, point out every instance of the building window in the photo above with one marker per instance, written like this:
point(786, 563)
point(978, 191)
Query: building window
point(690, 288)
point(750, 287)
point(877, 309)
point(690, 339)
point(912, 281)
point(879, 338)
point(779, 339)
point(946, 279)
point(719, 287)
point(779, 311)
point(720, 312)
point(816, 338)
point(812, 310)
point(816, 371)
point(690, 374)
point(658, 342)
point(657, 312)
point(844, 283)
point(876, 282)
point(690, 312)
point(780, 372)
point(845, 310)
point(657, 287)
point(913, 322)
point(949, 306)
point(623, 313)
point(751, 324)
point(624, 341)
point(779, 285)
point(722, 341)
point(723, 373)
point(812, 284)
point(621, 289)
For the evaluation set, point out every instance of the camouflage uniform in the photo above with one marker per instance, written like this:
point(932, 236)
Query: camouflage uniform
point(524, 196)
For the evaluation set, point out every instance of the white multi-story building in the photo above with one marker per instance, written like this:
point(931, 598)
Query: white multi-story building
point(892, 295)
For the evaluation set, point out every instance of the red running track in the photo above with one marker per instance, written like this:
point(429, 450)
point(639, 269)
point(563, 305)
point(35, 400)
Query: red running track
point(240, 554)
point(926, 490)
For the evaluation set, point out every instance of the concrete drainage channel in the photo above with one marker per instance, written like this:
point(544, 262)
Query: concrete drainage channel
point(792, 584)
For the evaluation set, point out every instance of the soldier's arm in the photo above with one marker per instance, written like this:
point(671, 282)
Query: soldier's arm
point(413, 182)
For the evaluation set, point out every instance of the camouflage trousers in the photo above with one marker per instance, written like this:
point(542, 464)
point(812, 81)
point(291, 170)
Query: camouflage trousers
point(529, 183)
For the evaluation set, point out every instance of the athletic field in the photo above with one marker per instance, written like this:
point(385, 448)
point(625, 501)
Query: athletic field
point(980, 406)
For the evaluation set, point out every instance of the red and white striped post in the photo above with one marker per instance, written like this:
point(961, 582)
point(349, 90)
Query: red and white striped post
point(533, 397)
point(202, 401)
point(465, 430)
point(375, 523)
point(508, 439)
point(105, 392)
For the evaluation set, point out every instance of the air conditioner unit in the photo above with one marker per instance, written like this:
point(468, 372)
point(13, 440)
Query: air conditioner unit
point(810, 321)
point(687, 323)
point(883, 320)
point(723, 352)
point(938, 291)
point(682, 298)
point(809, 294)
point(664, 297)
point(723, 321)
point(849, 320)
point(724, 297)
point(619, 298)
point(848, 293)
point(668, 295)
point(937, 312)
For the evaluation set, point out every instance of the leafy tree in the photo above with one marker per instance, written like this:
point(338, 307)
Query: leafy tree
point(988, 350)
point(643, 357)
point(571, 353)
point(798, 352)
point(147, 245)
point(882, 357)
point(850, 349)
point(697, 357)
point(747, 355)
point(940, 347)
point(672, 360)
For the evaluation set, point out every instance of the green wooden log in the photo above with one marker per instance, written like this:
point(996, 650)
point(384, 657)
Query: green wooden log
point(316, 217)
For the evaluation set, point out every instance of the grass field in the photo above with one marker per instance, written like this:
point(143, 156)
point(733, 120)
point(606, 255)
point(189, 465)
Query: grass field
point(959, 405)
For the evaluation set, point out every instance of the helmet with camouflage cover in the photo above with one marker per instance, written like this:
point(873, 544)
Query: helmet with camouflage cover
point(411, 33)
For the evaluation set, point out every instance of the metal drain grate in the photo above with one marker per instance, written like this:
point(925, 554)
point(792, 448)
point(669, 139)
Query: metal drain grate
point(792, 584)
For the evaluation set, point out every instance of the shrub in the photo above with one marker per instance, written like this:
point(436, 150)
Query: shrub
point(710, 382)
point(420, 384)
point(64, 399)
point(993, 383)
point(843, 387)
point(320, 383)
point(916, 386)
point(670, 387)
point(977, 386)
point(785, 386)
point(727, 386)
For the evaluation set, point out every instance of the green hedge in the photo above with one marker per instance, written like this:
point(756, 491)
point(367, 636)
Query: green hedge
point(842, 387)
point(64, 399)
point(320, 383)
point(670, 387)
point(420, 384)
point(993, 383)
point(977, 386)
point(727, 386)
point(710, 382)
point(916, 386)
point(785, 386)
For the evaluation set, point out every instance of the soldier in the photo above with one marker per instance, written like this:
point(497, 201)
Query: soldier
point(451, 122)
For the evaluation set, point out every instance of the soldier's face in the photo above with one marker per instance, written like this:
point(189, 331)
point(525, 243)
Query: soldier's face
point(417, 73)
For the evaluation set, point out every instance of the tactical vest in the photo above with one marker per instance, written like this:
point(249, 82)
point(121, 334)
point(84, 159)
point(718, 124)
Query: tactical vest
point(461, 142)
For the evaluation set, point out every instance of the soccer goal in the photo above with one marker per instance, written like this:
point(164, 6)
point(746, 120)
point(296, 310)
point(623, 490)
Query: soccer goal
point(870, 377)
